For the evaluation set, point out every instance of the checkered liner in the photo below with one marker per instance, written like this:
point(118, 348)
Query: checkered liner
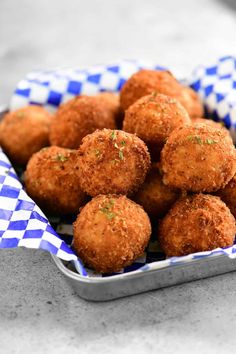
point(22, 223)
point(216, 85)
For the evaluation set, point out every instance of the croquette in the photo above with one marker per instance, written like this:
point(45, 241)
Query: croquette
point(78, 117)
point(51, 179)
point(212, 123)
point(154, 117)
point(24, 132)
point(198, 158)
point(191, 102)
point(144, 82)
point(196, 223)
point(228, 195)
point(155, 197)
point(112, 161)
point(111, 103)
point(110, 232)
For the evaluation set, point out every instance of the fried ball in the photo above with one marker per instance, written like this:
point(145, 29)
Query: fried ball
point(144, 82)
point(112, 161)
point(198, 158)
point(228, 195)
point(24, 132)
point(191, 102)
point(196, 223)
point(154, 117)
point(110, 233)
point(111, 103)
point(155, 197)
point(78, 117)
point(212, 123)
point(51, 179)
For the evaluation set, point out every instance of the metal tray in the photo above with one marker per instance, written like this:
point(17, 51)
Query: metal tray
point(134, 282)
point(121, 285)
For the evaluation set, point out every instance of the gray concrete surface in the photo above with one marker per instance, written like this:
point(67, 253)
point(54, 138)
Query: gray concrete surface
point(39, 312)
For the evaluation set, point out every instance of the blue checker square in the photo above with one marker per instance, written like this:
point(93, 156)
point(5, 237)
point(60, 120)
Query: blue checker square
point(95, 79)
point(54, 98)
point(9, 242)
point(46, 245)
point(5, 214)
point(74, 87)
point(211, 71)
point(24, 205)
point(18, 225)
point(9, 192)
point(33, 234)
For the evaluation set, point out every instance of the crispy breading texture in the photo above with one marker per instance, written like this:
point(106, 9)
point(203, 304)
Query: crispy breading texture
point(51, 179)
point(228, 195)
point(154, 117)
point(24, 132)
point(110, 233)
point(212, 123)
point(196, 223)
point(80, 116)
point(198, 158)
point(155, 197)
point(144, 82)
point(112, 161)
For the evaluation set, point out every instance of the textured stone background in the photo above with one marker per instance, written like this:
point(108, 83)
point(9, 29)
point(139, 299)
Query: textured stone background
point(39, 312)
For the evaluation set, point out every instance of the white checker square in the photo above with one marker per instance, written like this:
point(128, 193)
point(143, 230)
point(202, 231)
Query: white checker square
point(211, 101)
point(13, 234)
point(52, 239)
point(67, 257)
point(8, 203)
point(24, 196)
point(89, 88)
point(4, 224)
point(109, 81)
point(35, 224)
point(21, 215)
point(30, 242)
point(38, 93)
point(233, 115)
point(59, 85)
point(222, 109)
point(226, 67)
point(66, 97)
point(127, 69)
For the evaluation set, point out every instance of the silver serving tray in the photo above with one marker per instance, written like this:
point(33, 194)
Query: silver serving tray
point(121, 285)
point(135, 282)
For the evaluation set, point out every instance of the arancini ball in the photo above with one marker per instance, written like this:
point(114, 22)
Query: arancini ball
point(24, 132)
point(78, 117)
point(198, 158)
point(51, 180)
point(196, 223)
point(112, 161)
point(110, 232)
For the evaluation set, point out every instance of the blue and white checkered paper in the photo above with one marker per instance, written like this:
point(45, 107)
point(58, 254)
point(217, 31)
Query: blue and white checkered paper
point(22, 223)
point(216, 85)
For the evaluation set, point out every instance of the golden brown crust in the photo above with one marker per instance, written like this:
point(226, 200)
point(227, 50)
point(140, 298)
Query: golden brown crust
point(51, 179)
point(112, 161)
point(198, 158)
point(145, 82)
point(24, 132)
point(154, 117)
point(110, 233)
point(78, 117)
point(196, 223)
point(111, 103)
point(212, 123)
point(191, 102)
point(228, 195)
point(155, 197)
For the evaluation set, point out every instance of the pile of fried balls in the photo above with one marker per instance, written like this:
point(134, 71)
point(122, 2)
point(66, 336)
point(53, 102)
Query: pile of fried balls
point(125, 162)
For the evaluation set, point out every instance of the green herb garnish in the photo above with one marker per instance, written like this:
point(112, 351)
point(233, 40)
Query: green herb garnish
point(113, 135)
point(106, 210)
point(210, 141)
point(123, 143)
point(61, 158)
